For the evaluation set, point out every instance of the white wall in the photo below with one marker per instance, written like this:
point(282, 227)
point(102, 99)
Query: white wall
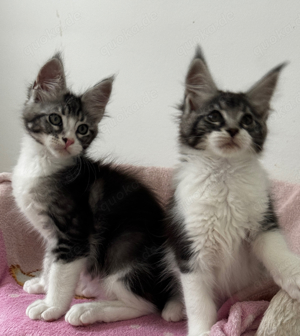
point(150, 44)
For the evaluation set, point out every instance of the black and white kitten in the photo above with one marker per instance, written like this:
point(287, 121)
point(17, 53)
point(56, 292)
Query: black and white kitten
point(94, 218)
point(224, 233)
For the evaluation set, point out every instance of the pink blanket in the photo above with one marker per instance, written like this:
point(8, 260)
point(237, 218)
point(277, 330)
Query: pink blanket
point(21, 255)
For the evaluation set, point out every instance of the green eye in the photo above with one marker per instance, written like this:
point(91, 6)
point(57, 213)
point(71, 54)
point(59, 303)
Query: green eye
point(55, 119)
point(82, 129)
point(215, 117)
point(247, 120)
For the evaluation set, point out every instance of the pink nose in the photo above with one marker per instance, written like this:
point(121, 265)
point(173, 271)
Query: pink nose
point(68, 142)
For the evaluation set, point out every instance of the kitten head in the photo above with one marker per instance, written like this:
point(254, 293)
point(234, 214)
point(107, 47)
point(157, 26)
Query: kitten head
point(64, 123)
point(225, 123)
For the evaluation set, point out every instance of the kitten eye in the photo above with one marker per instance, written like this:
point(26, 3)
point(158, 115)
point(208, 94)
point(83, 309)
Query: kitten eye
point(247, 120)
point(215, 116)
point(82, 129)
point(55, 119)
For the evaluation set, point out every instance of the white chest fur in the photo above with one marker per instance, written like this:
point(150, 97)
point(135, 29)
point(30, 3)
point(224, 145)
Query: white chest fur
point(33, 164)
point(221, 203)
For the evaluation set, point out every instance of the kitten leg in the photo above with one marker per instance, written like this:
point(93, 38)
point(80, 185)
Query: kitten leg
point(127, 306)
point(200, 306)
point(102, 311)
point(63, 279)
point(271, 249)
point(38, 285)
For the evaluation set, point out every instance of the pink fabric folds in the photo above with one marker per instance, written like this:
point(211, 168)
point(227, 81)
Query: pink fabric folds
point(21, 254)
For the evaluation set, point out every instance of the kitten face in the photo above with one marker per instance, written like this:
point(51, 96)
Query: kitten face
point(65, 124)
point(225, 123)
point(63, 127)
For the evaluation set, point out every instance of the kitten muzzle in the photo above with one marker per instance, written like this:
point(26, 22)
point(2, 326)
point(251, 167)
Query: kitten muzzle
point(68, 142)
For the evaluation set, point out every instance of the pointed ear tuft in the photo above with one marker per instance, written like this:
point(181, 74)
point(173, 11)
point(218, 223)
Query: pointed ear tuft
point(199, 54)
point(58, 56)
point(50, 82)
point(96, 98)
point(260, 94)
point(199, 85)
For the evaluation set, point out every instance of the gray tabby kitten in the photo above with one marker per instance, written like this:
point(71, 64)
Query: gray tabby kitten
point(224, 234)
point(95, 219)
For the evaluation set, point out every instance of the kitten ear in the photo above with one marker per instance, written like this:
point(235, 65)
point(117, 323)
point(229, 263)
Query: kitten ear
point(95, 99)
point(260, 94)
point(199, 85)
point(50, 82)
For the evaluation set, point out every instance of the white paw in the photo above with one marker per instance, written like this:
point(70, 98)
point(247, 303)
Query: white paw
point(34, 286)
point(173, 311)
point(288, 278)
point(82, 314)
point(88, 287)
point(40, 310)
point(291, 284)
point(84, 290)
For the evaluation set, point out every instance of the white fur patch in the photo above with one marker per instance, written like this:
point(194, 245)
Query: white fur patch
point(221, 202)
point(34, 162)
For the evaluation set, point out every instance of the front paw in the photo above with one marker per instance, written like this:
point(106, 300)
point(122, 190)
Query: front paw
point(83, 289)
point(173, 311)
point(82, 314)
point(34, 286)
point(289, 280)
point(40, 310)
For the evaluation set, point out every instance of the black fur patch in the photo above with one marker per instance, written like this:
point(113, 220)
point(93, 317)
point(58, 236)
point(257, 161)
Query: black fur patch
point(179, 242)
point(150, 280)
point(114, 221)
point(270, 221)
point(72, 105)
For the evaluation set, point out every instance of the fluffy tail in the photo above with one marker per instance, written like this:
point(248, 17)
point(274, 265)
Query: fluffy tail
point(281, 318)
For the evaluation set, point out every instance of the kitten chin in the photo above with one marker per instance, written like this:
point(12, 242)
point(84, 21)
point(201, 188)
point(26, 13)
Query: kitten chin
point(223, 145)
